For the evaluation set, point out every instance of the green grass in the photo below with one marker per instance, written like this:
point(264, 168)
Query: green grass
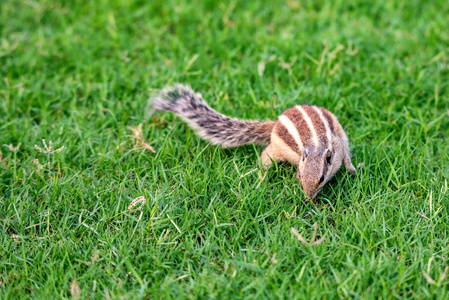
point(79, 73)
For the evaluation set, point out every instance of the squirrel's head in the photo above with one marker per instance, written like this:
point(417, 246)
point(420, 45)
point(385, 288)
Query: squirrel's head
point(316, 167)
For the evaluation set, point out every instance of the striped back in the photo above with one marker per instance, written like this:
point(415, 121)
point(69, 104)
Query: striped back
point(306, 127)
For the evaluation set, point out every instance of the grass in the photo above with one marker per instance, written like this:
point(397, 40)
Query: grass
point(79, 74)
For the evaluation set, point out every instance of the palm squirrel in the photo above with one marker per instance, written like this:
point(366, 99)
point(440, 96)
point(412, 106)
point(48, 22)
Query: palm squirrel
point(309, 137)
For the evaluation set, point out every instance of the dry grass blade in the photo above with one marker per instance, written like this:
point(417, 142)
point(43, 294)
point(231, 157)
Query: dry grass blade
point(290, 215)
point(443, 275)
point(298, 236)
point(247, 173)
point(39, 167)
point(75, 290)
point(136, 201)
point(174, 224)
point(95, 256)
point(137, 132)
point(312, 241)
point(315, 229)
point(428, 278)
point(12, 148)
point(261, 178)
point(48, 149)
point(147, 147)
point(423, 216)
point(317, 242)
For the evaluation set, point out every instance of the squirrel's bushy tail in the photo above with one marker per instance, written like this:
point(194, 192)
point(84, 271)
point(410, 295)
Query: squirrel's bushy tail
point(209, 124)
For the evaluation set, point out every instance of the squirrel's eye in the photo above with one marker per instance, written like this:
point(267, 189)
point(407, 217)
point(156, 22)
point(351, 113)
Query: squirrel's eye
point(329, 160)
point(321, 179)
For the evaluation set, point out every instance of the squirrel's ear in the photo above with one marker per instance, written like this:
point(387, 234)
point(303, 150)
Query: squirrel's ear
point(305, 153)
point(327, 155)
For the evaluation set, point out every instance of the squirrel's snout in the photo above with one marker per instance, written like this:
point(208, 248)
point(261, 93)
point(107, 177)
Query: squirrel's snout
point(311, 192)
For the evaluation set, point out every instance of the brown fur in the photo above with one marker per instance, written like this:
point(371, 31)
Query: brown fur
point(318, 147)
point(300, 123)
point(286, 137)
point(209, 124)
point(328, 117)
point(317, 124)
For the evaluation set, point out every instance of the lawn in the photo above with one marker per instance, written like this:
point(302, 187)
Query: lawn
point(80, 73)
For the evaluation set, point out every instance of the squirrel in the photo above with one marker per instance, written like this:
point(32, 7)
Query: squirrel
point(309, 137)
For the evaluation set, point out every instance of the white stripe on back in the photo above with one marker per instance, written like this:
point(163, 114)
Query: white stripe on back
point(326, 124)
point(291, 128)
point(309, 122)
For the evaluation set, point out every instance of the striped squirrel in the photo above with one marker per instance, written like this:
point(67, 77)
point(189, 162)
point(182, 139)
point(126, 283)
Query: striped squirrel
point(309, 137)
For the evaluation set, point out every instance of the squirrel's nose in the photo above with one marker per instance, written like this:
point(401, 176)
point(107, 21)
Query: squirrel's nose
point(311, 193)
